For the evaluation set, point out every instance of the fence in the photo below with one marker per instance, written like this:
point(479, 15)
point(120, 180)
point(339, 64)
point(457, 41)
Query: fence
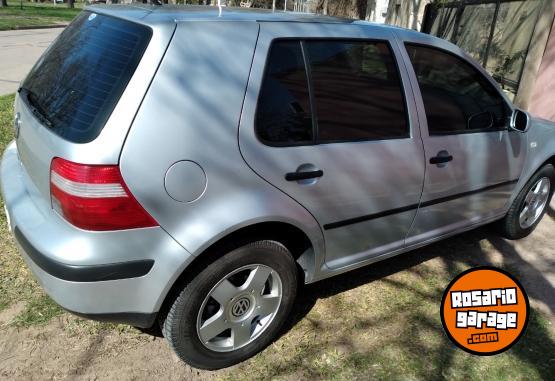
point(495, 32)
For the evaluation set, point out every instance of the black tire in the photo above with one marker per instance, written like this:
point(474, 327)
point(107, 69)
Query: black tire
point(509, 227)
point(180, 324)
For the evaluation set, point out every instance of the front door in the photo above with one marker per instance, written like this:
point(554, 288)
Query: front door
point(327, 121)
point(473, 160)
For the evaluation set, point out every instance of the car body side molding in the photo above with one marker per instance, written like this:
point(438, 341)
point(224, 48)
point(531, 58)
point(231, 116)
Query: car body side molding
point(355, 220)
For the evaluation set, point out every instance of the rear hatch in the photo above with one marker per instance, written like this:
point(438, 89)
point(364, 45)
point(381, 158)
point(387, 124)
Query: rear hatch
point(80, 98)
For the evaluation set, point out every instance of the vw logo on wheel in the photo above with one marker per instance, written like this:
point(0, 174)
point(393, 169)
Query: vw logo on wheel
point(240, 307)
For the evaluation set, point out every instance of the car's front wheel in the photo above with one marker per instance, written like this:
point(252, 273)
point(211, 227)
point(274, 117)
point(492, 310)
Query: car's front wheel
point(530, 205)
point(234, 307)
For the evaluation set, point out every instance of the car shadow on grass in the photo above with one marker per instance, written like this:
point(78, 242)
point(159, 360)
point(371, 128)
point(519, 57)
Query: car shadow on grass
point(533, 352)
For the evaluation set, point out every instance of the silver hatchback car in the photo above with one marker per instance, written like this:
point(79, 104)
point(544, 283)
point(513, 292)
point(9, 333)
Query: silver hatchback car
point(191, 167)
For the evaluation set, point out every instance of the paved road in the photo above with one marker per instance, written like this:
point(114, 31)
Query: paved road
point(19, 50)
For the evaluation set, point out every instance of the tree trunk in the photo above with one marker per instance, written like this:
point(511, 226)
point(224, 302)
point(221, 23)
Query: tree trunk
point(322, 7)
point(4, 3)
point(343, 8)
point(70, 3)
point(371, 10)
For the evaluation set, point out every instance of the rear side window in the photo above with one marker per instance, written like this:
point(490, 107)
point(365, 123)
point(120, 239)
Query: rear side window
point(357, 91)
point(283, 116)
point(457, 97)
point(77, 83)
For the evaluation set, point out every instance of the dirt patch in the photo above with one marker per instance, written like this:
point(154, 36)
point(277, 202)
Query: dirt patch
point(8, 314)
point(57, 352)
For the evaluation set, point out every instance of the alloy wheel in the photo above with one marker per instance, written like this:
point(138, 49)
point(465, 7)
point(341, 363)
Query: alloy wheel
point(534, 203)
point(239, 308)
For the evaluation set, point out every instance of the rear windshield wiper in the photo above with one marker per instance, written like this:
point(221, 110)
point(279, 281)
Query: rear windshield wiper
point(35, 106)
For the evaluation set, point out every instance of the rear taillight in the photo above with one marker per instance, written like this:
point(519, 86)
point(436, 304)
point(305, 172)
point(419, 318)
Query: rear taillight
point(95, 197)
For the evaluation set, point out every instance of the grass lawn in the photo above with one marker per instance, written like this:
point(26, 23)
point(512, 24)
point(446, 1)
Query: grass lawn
point(379, 322)
point(33, 14)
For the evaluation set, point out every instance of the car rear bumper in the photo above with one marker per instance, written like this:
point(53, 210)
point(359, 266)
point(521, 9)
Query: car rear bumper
point(119, 276)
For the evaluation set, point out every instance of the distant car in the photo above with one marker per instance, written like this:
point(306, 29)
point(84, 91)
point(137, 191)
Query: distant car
point(181, 167)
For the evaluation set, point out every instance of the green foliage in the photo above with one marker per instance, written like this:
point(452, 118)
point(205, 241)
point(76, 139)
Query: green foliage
point(6, 120)
point(390, 329)
point(39, 310)
point(27, 14)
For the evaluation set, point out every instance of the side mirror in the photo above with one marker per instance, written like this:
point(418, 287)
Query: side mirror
point(520, 121)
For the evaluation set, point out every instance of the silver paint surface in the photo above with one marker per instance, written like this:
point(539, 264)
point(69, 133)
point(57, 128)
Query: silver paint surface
point(185, 181)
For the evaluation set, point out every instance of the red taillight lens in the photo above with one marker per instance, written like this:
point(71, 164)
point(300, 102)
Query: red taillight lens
point(95, 197)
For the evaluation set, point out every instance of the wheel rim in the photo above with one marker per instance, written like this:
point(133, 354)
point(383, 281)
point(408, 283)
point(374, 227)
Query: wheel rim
point(534, 203)
point(239, 308)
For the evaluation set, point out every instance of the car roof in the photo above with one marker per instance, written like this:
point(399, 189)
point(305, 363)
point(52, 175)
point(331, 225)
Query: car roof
point(163, 14)
point(176, 13)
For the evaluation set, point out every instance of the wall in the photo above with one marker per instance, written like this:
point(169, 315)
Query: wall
point(542, 102)
point(376, 10)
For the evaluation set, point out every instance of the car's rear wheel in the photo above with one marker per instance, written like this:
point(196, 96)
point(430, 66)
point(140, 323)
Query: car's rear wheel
point(234, 307)
point(530, 205)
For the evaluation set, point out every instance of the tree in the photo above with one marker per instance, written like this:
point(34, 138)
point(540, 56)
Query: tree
point(370, 10)
point(70, 3)
point(4, 3)
point(343, 8)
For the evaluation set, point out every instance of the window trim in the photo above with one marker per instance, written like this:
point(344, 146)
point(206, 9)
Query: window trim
point(477, 69)
point(313, 108)
point(311, 99)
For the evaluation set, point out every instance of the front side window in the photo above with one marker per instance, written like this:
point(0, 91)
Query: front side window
point(457, 97)
point(352, 87)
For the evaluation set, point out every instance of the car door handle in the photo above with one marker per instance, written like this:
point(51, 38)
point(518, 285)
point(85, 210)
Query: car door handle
point(442, 158)
point(303, 175)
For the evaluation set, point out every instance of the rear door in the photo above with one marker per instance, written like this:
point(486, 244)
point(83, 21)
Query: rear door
point(327, 120)
point(473, 160)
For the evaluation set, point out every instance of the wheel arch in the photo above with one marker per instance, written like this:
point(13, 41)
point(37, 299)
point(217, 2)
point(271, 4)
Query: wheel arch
point(532, 165)
point(292, 237)
point(536, 168)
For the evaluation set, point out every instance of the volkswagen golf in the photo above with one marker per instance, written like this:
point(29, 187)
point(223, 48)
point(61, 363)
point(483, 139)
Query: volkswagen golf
point(191, 168)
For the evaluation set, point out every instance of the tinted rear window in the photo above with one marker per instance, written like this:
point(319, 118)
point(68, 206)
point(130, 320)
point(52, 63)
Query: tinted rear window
point(352, 92)
point(79, 80)
point(283, 116)
point(357, 91)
